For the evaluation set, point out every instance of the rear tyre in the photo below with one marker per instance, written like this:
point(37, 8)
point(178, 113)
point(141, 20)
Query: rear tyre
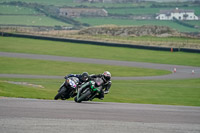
point(62, 90)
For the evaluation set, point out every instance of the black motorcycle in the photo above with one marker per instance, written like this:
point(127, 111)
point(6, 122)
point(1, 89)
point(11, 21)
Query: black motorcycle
point(67, 89)
point(89, 90)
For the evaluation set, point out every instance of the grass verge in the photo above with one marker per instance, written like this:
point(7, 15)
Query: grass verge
point(168, 92)
point(22, 45)
point(42, 67)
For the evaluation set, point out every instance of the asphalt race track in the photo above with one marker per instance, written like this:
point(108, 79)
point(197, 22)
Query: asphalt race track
point(19, 115)
point(181, 71)
point(38, 116)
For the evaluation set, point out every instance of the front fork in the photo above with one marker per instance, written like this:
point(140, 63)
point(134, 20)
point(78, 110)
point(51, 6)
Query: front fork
point(61, 86)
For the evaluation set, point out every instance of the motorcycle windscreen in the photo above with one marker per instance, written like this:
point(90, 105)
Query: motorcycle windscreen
point(98, 82)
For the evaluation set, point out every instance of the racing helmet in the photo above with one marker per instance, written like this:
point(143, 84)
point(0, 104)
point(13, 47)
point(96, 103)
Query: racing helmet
point(106, 76)
point(84, 76)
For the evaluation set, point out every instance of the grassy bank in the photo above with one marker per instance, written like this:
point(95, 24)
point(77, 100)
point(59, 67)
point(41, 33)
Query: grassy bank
point(21, 45)
point(173, 92)
point(169, 92)
point(43, 67)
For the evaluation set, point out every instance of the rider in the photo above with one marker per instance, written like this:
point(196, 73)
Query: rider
point(106, 76)
point(84, 77)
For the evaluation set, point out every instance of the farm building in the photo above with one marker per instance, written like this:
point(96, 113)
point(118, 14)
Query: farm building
point(177, 14)
point(77, 12)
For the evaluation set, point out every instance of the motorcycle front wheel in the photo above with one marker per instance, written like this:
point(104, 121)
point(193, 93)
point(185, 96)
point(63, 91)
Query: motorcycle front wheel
point(82, 97)
point(62, 90)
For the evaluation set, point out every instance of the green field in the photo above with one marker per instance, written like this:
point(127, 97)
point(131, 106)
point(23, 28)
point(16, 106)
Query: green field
point(45, 2)
point(147, 10)
point(193, 22)
point(21, 45)
point(8, 14)
point(16, 15)
point(132, 11)
point(30, 20)
point(174, 92)
point(169, 92)
point(7, 9)
point(130, 22)
point(71, 3)
point(41, 67)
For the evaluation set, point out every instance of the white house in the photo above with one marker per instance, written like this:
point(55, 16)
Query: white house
point(177, 14)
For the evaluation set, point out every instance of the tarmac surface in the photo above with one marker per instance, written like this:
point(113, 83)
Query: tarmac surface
point(19, 115)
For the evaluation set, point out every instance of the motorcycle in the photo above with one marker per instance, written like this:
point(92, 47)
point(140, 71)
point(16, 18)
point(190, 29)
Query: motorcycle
point(89, 90)
point(67, 89)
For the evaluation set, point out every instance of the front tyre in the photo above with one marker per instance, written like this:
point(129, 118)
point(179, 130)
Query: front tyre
point(75, 99)
point(82, 97)
point(62, 90)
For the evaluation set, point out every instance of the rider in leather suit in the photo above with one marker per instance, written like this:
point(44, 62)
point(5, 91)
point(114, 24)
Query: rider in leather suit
point(106, 76)
point(84, 77)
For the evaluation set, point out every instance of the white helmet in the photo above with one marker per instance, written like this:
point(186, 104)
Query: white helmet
point(106, 76)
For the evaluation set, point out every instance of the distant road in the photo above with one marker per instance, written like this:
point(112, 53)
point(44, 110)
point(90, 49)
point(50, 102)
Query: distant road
point(182, 72)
